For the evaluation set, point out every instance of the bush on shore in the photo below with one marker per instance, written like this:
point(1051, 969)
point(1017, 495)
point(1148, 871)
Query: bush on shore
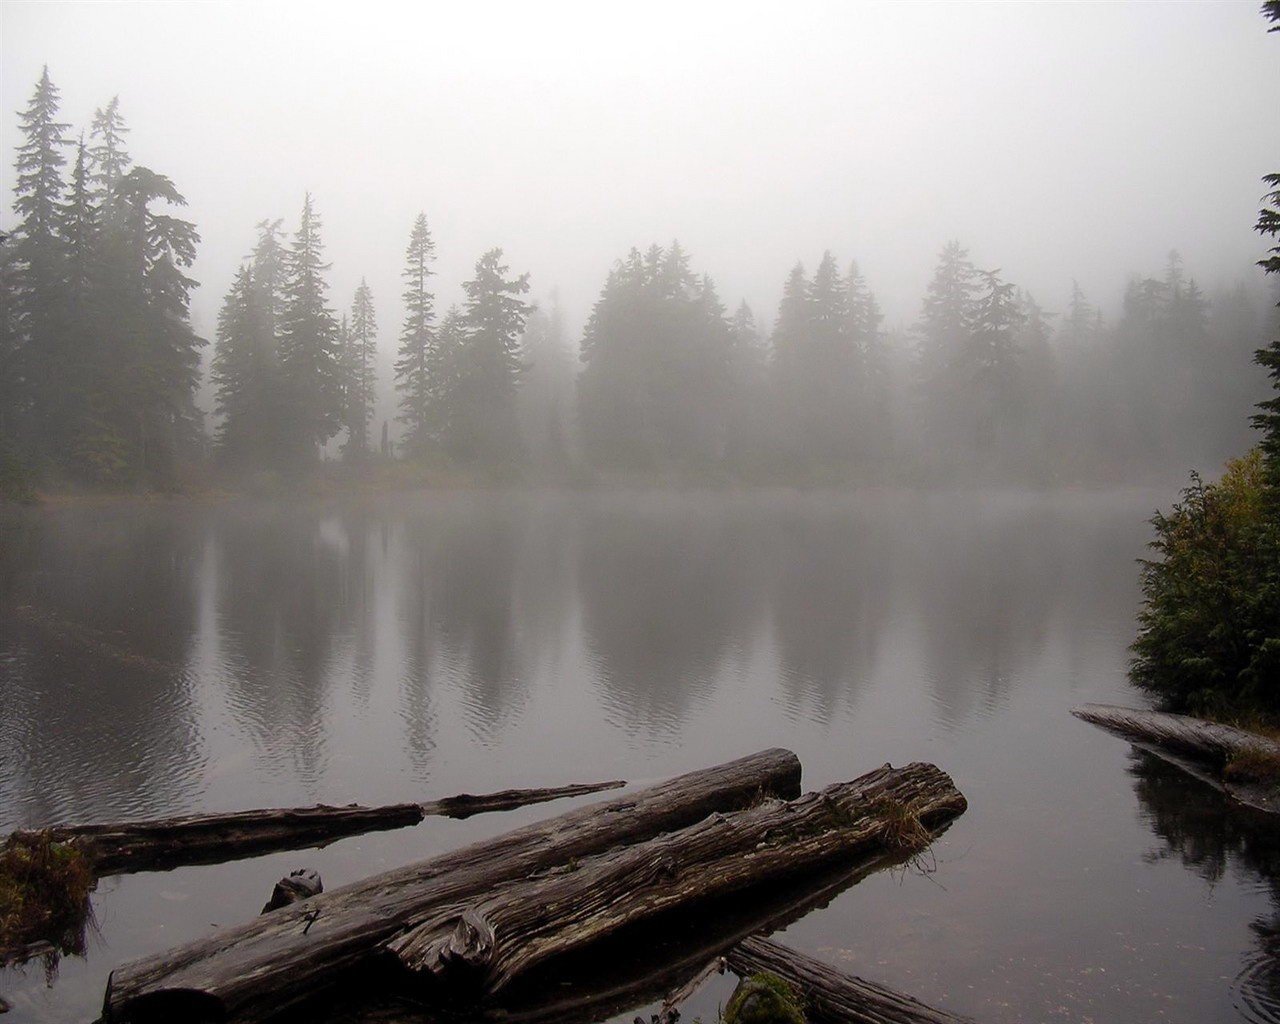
point(1209, 630)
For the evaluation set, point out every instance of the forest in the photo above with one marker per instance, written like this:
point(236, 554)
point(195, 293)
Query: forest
point(101, 369)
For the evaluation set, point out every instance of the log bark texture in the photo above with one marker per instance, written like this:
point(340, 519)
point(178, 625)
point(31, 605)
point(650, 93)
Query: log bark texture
point(831, 996)
point(251, 972)
point(164, 843)
point(1198, 747)
point(483, 944)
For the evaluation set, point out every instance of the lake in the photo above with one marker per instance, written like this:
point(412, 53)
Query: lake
point(177, 657)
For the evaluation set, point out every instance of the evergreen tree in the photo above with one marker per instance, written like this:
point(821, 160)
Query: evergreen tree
point(1267, 419)
point(42, 357)
point(943, 330)
point(873, 400)
point(110, 158)
point(309, 343)
point(990, 362)
point(657, 349)
point(483, 422)
point(241, 374)
point(160, 353)
point(360, 372)
point(418, 373)
point(269, 271)
point(79, 397)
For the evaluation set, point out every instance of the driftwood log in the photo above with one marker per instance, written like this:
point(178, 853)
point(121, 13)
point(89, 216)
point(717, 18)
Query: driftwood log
point(484, 943)
point(251, 972)
point(832, 997)
point(1200, 748)
point(165, 843)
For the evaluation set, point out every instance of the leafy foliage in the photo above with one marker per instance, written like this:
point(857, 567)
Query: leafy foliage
point(1209, 636)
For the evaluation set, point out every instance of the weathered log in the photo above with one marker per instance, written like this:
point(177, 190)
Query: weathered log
point(465, 805)
point(484, 943)
point(250, 972)
point(832, 997)
point(164, 843)
point(1202, 749)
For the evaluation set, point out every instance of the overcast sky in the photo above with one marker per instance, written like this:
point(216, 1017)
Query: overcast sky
point(1055, 141)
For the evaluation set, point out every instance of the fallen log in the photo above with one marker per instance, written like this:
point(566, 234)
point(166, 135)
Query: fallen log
point(1220, 755)
point(484, 943)
point(164, 843)
point(832, 997)
point(251, 972)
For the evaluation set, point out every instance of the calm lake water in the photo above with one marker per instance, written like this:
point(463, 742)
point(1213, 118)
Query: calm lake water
point(179, 657)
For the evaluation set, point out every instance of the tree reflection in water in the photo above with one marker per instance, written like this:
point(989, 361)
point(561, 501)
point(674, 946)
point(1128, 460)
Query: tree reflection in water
point(1214, 837)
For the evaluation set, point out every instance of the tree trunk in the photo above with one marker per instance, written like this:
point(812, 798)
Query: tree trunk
point(831, 997)
point(1200, 748)
point(484, 943)
point(165, 843)
point(250, 972)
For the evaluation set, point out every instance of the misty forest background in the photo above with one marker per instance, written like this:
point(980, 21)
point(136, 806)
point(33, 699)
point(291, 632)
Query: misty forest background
point(102, 374)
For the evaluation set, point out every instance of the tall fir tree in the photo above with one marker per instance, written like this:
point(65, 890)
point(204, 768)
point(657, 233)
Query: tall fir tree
point(483, 425)
point(240, 377)
point(1267, 419)
point(42, 358)
point(990, 364)
point(360, 379)
point(308, 335)
point(111, 159)
point(418, 374)
point(161, 353)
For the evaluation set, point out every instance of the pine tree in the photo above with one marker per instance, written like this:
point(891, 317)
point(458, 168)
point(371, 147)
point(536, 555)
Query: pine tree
point(160, 353)
point(238, 373)
point(990, 362)
point(110, 158)
point(359, 376)
point(1267, 419)
point(417, 370)
point(873, 399)
point(80, 400)
point(483, 424)
point(269, 270)
point(308, 335)
point(38, 251)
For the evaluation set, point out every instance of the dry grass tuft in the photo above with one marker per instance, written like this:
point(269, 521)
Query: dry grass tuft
point(44, 896)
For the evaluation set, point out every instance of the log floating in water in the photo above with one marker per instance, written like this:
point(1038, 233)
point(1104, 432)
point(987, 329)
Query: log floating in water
point(250, 972)
point(832, 997)
point(1198, 747)
point(486, 943)
point(166, 843)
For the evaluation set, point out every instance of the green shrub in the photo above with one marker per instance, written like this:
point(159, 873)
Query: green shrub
point(1209, 629)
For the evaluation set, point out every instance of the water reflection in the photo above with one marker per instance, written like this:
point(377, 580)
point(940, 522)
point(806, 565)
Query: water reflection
point(171, 658)
point(1216, 838)
point(94, 642)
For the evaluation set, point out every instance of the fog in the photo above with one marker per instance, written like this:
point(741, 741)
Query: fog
point(1027, 227)
point(1056, 142)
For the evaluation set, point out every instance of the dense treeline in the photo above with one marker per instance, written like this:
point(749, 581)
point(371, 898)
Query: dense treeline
point(99, 365)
